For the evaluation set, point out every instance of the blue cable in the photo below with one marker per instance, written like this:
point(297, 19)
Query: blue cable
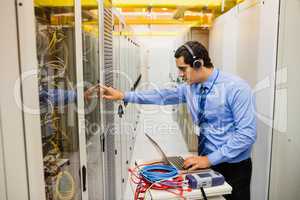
point(151, 174)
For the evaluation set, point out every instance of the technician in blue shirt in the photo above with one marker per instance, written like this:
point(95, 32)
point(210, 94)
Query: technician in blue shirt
point(220, 104)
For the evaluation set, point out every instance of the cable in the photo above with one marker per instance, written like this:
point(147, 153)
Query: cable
point(156, 173)
point(157, 177)
point(68, 187)
point(203, 193)
point(53, 60)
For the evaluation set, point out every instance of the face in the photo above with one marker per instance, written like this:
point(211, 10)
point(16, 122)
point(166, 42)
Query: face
point(186, 72)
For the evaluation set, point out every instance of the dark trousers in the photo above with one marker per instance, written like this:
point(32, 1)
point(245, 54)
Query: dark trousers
point(238, 175)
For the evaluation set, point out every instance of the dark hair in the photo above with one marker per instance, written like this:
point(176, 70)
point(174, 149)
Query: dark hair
point(199, 51)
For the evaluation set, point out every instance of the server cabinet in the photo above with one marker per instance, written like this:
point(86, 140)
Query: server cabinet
point(59, 54)
point(76, 148)
point(109, 107)
point(124, 122)
point(128, 126)
point(92, 76)
point(12, 127)
point(57, 66)
point(2, 180)
point(124, 67)
point(129, 107)
point(119, 67)
point(118, 106)
point(284, 175)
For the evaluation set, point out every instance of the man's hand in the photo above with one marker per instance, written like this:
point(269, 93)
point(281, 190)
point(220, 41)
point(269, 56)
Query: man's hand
point(196, 162)
point(110, 93)
point(90, 92)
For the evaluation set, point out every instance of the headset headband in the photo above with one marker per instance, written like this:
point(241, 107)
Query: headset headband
point(197, 63)
point(190, 50)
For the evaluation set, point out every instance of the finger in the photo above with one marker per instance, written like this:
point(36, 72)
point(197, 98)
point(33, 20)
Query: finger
point(107, 97)
point(89, 92)
point(187, 166)
point(190, 157)
point(101, 91)
point(194, 167)
point(188, 163)
point(94, 88)
point(103, 87)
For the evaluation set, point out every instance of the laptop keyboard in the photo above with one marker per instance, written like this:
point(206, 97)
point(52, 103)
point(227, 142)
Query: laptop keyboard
point(176, 161)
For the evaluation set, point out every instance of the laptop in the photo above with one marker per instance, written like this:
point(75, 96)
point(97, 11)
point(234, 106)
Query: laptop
point(176, 161)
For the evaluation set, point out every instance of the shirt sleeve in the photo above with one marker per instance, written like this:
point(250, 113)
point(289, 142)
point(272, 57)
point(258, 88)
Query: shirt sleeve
point(58, 96)
point(157, 96)
point(243, 110)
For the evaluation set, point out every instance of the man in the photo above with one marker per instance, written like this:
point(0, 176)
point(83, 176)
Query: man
point(223, 108)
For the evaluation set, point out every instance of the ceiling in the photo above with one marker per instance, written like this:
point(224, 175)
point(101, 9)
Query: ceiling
point(192, 13)
point(197, 13)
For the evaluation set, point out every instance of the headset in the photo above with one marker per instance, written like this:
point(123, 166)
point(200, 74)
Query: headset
point(197, 63)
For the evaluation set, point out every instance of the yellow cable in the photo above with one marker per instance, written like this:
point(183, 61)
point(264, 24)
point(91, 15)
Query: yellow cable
point(66, 195)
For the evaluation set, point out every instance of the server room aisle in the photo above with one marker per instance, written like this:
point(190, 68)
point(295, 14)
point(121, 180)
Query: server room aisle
point(159, 123)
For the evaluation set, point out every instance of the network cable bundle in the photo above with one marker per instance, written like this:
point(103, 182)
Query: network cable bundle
point(157, 177)
point(167, 178)
point(56, 78)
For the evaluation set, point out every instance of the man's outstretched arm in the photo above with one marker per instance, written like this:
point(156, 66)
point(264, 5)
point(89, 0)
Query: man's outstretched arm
point(156, 96)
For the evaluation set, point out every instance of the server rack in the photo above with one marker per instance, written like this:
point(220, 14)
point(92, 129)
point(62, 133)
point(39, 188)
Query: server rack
point(127, 62)
point(119, 108)
point(109, 107)
point(54, 59)
point(91, 45)
point(60, 50)
point(75, 148)
point(2, 169)
point(124, 87)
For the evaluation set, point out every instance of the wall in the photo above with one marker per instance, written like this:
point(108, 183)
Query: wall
point(160, 52)
point(243, 42)
point(223, 49)
point(285, 181)
point(159, 60)
point(200, 35)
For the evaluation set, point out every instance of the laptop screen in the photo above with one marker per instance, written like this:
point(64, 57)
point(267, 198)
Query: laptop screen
point(157, 147)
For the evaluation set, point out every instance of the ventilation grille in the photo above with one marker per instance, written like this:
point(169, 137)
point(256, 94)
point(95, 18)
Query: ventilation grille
point(108, 105)
point(108, 47)
point(108, 62)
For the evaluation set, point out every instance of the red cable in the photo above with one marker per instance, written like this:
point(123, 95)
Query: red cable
point(168, 185)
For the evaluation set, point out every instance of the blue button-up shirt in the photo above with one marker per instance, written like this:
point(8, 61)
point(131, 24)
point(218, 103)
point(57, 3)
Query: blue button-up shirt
point(230, 126)
point(57, 96)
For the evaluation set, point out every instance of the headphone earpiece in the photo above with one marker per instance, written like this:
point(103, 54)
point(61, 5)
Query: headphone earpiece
point(197, 63)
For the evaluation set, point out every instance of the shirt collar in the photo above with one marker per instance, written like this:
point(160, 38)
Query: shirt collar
point(209, 82)
point(211, 79)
